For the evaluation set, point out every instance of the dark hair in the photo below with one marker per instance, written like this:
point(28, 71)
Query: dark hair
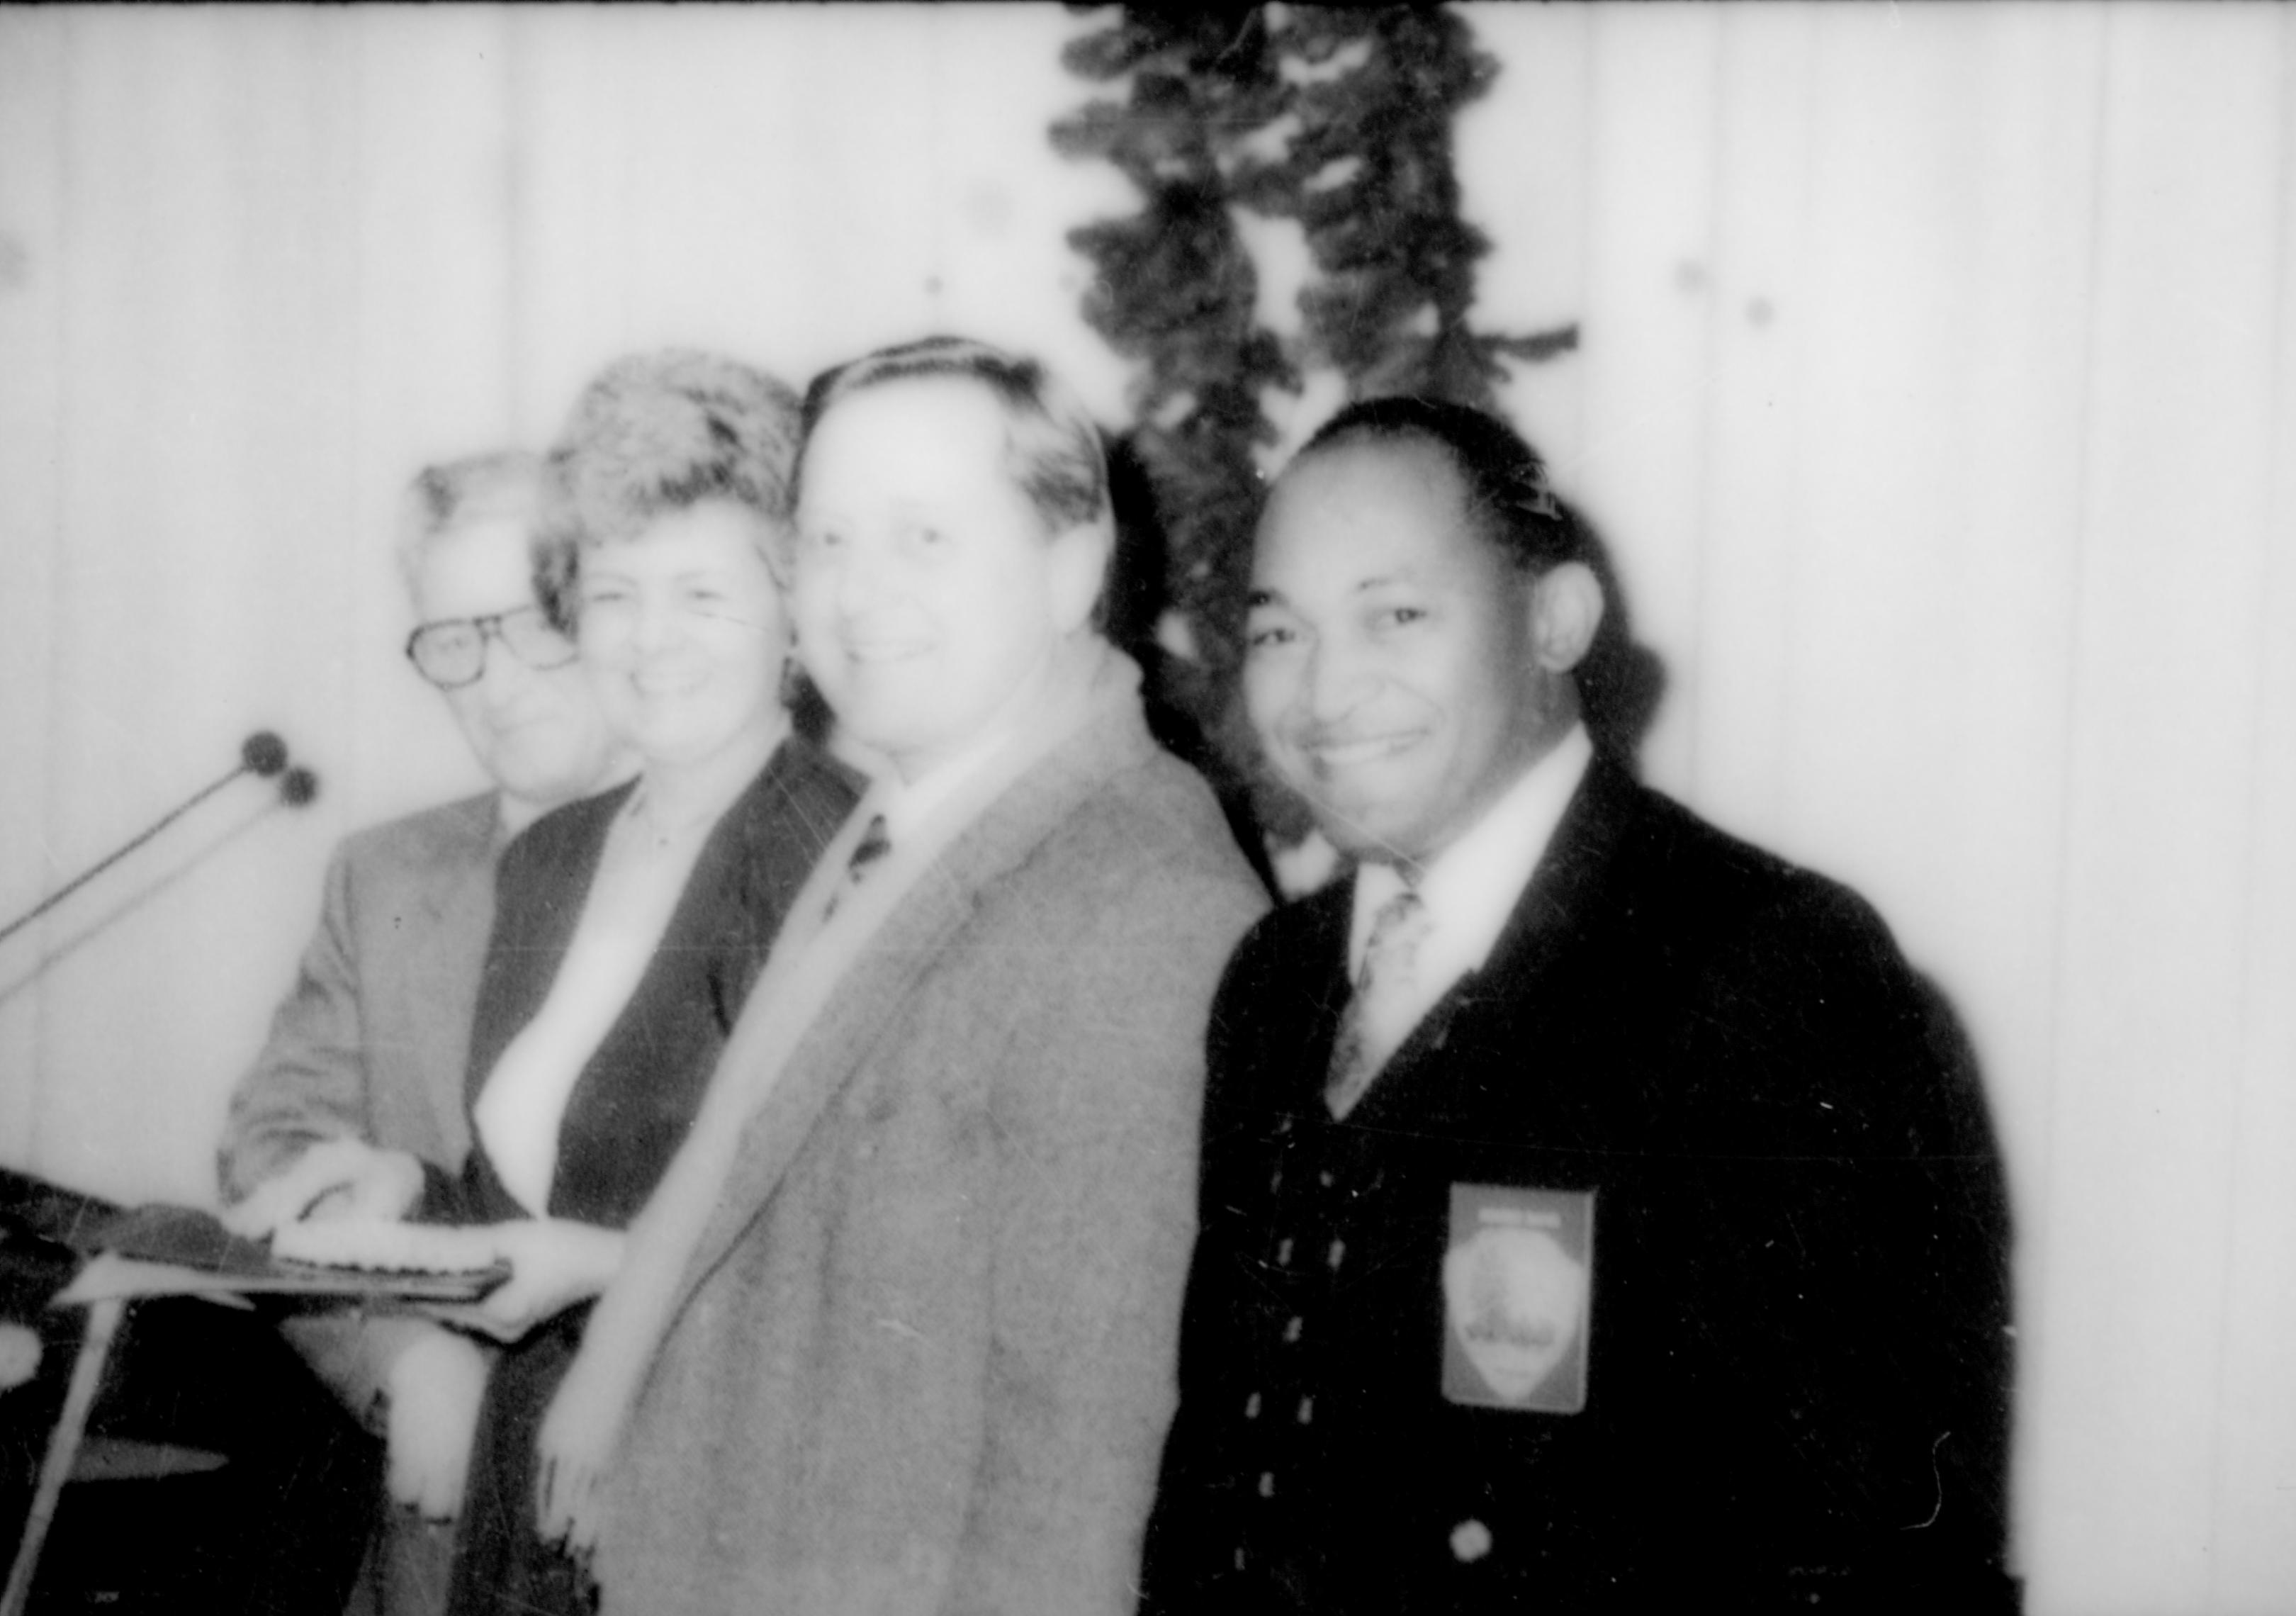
point(1053, 451)
point(1503, 478)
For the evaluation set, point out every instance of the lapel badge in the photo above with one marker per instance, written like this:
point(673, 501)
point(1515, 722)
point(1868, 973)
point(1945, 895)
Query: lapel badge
point(1517, 1281)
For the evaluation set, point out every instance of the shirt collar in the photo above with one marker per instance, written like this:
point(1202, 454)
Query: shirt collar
point(1470, 887)
point(907, 808)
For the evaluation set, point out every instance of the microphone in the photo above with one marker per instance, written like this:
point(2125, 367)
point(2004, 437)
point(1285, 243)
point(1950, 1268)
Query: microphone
point(262, 754)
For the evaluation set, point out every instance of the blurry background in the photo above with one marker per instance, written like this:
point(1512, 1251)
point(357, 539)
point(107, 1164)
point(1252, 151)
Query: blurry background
point(1935, 391)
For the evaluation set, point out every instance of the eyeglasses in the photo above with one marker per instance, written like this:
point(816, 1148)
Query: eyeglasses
point(453, 653)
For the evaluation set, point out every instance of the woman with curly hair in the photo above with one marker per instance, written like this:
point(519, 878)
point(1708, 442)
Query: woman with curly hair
point(630, 925)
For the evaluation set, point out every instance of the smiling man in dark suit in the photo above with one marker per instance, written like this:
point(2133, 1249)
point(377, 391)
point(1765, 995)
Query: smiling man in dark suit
point(1595, 1209)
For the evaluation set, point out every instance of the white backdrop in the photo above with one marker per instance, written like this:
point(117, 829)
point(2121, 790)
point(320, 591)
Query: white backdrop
point(1937, 395)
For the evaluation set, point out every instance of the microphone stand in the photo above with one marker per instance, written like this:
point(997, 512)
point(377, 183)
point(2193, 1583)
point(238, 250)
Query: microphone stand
point(264, 754)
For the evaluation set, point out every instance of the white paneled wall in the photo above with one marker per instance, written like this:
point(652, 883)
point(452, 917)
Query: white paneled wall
point(1938, 396)
point(1936, 393)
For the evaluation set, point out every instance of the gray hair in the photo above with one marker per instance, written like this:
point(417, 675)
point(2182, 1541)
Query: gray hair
point(509, 483)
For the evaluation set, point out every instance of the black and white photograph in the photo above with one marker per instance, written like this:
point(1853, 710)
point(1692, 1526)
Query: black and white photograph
point(1068, 810)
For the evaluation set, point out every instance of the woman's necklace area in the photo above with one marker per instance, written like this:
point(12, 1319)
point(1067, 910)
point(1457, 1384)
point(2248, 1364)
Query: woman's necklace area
point(644, 823)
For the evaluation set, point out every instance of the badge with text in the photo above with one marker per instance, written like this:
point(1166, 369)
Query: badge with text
point(1517, 1281)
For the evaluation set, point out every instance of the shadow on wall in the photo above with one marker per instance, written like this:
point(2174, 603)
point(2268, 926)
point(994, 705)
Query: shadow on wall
point(1621, 681)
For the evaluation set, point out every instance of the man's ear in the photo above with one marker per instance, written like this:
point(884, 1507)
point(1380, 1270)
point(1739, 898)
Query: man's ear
point(1079, 560)
point(1566, 608)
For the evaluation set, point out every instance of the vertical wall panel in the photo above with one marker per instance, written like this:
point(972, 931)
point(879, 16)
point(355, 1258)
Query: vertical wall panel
point(1985, 913)
point(2252, 1511)
point(994, 81)
point(1758, 431)
point(203, 477)
point(2163, 732)
point(1647, 458)
point(1872, 715)
point(432, 319)
point(34, 47)
point(1522, 158)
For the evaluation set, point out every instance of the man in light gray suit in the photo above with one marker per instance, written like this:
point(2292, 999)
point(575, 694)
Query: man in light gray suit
point(359, 1091)
point(896, 1332)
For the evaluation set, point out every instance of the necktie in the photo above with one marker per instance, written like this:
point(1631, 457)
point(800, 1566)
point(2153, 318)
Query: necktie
point(1379, 1017)
point(873, 847)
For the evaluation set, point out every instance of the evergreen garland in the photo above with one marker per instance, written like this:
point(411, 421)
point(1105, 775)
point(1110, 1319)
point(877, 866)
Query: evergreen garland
point(1341, 120)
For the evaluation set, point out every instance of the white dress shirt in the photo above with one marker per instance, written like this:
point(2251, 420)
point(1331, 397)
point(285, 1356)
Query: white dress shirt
point(1471, 886)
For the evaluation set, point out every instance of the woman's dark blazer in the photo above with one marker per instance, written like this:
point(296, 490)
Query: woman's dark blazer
point(630, 1108)
point(633, 1103)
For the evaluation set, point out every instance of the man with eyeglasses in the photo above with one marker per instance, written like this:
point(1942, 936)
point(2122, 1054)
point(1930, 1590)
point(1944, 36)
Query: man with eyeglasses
point(358, 1092)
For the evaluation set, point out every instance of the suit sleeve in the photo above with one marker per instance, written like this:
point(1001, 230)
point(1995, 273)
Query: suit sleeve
point(1877, 1263)
point(1095, 1218)
point(310, 1081)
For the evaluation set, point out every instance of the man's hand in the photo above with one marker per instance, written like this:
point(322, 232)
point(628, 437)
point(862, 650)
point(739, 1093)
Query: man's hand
point(556, 1262)
point(435, 1388)
point(334, 1178)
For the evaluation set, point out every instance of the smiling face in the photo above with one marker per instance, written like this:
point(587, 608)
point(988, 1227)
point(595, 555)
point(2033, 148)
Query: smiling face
point(1394, 670)
point(930, 597)
point(537, 732)
point(684, 632)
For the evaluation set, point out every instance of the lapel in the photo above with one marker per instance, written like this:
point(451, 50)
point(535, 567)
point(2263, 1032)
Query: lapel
point(549, 874)
point(1565, 888)
point(428, 880)
point(446, 892)
point(737, 894)
point(1563, 893)
point(863, 1004)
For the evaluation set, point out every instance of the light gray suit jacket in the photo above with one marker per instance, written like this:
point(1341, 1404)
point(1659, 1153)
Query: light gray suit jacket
point(921, 1359)
point(372, 1042)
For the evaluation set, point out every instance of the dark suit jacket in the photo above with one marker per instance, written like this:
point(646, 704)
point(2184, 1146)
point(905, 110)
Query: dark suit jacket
point(632, 1104)
point(1794, 1352)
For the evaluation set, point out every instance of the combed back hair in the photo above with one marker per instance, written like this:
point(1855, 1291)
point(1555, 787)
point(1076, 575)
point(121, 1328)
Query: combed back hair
point(1504, 479)
point(654, 434)
point(1052, 445)
point(509, 483)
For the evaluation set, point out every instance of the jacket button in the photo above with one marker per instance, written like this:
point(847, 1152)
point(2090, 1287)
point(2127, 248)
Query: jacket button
point(1471, 1540)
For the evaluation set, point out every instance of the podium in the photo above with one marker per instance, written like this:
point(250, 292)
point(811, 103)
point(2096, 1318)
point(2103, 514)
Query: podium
point(196, 1463)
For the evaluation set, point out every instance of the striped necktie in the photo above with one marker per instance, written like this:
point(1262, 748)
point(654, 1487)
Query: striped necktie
point(1377, 1017)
